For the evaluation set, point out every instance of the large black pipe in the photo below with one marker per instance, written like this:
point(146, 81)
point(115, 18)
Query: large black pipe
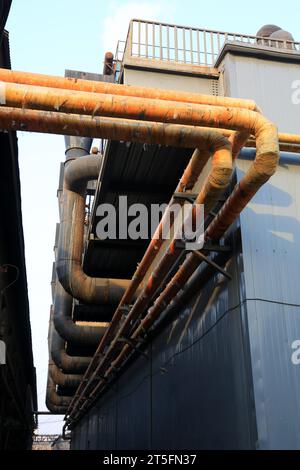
point(55, 403)
point(65, 326)
point(64, 380)
point(68, 364)
point(69, 256)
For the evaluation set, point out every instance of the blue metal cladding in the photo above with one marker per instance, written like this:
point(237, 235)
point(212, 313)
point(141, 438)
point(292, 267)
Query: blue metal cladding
point(270, 230)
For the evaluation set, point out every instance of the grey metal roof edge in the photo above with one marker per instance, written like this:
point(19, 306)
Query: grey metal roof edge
point(261, 52)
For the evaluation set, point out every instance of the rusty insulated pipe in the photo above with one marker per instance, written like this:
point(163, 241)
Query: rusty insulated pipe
point(217, 180)
point(52, 99)
point(100, 127)
point(75, 84)
point(68, 264)
point(214, 185)
point(30, 120)
point(96, 104)
point(260, 171)
point(255, 177)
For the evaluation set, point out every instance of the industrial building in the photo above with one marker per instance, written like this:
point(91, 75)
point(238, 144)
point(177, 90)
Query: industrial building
point(152, 344)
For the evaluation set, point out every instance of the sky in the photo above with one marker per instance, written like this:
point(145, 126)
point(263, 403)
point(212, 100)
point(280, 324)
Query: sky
point(50, 36)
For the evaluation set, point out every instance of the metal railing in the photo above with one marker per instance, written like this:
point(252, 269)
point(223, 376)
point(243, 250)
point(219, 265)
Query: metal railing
point(183, 44)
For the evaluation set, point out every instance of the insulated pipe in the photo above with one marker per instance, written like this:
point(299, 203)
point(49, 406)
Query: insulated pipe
point(64, 380)
point(214, 185)
point(260, 171)
point(55, 403)
point(53, 99)
point(68, 364)
point(214, 143)
point(100, 127)
point(66, 328)
point(242, 193)
point(95, 104)
point(30, 120)
point(69, 255)
point(125, 90)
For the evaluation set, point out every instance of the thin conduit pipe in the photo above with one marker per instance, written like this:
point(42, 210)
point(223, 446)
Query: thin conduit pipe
point(260, 171)
point(75, 84)
point(216, 182)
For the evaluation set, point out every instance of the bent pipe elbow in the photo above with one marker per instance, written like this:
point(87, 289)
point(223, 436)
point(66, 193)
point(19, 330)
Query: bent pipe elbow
point(65, 326)
point(68, 266)
point(54, 402)
point(64, 380)
point(68, 364)
point(81, 170)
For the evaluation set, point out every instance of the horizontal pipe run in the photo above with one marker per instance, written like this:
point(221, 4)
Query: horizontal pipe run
point(75, 84)
point(17, 119)
point(66, 101)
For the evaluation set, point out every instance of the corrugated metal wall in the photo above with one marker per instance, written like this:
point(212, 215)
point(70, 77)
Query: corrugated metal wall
point(270, 228)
